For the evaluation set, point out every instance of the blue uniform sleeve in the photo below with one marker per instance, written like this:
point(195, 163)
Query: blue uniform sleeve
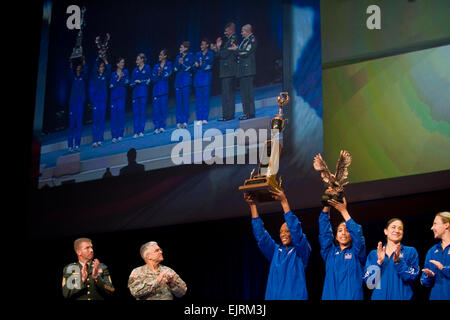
point(188, 63)
point(133, 78)
point(176, 64)
point(155, 76)
point(358, 241)
point(326, 239)
point(299, 240)
point(168, 72)
point(91, 90)
point(126, 77)
point(371, 266)
point(265, 242)
point(148, 73)
point(198, 57)
point(446, 272)
point(208, 66)
point(425, 279)
point(408, 268)
point(108, 71)
point(113, 81)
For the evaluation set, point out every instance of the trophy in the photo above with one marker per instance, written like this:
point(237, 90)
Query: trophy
point(335, 182)
point(77, 52)
point(260, 185)
point(102, 46)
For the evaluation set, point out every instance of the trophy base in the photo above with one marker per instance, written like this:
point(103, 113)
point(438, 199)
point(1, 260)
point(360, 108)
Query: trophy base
point(259, 188)
point(325, 197)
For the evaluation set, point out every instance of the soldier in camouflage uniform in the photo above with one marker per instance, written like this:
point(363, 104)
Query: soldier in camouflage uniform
point(86, 279)
point(246, 70)
point(154, 281)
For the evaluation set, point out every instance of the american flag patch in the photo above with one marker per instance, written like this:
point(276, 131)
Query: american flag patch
point(348, 256)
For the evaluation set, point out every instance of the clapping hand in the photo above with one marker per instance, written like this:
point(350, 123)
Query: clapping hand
point(428, 272)
point(381, 253)
point(233, 47)
point(95, 268)
point(170, 277)
point(161, 276)
point(84, 273)
point(396, 254)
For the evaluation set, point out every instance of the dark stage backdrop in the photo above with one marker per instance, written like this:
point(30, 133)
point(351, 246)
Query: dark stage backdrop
point(220, 260)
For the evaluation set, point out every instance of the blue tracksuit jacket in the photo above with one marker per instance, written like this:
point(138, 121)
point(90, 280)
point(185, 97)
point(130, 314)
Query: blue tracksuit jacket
point(440, 283)
point(286, 279)
point(344, 269)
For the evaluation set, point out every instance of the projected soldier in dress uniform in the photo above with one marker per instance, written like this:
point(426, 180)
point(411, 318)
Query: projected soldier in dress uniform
point(246, 70)
point(227, 70)
point(86, 279)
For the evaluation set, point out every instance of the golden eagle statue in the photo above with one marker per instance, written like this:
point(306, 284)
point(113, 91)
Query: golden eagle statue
point(336, 182)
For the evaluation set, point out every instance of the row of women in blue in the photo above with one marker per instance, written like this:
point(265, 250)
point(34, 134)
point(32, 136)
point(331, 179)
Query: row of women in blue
point(185, 65)
point(390, 270)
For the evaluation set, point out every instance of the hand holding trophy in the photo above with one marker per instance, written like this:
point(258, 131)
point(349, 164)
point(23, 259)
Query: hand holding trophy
point(102, 46)
point(336, 182)
point(261, 186)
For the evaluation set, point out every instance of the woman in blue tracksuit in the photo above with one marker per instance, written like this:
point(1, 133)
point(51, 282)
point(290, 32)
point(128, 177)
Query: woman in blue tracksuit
point(118, 85)
point(288, 261)
point(78, 79)
point(140, 80)
point(344, 259)
point(391, 269)
point(160, 77)
point(183, 81)
point(436, 272)
point(202, 81)
point(98, 94)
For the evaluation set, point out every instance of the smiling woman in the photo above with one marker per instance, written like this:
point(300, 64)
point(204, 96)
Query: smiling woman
point(396, 266)
point(436, 272)
point(344, 255)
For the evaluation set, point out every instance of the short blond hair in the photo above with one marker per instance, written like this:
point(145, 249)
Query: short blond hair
point(77, 242)
point(445, 216)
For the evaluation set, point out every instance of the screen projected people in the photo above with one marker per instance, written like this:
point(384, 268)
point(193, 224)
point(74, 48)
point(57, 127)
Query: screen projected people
point(140, 80)
point(119, 82)
point(202, 81)
point(160, 78)
point(183, 82)
point(77, 99)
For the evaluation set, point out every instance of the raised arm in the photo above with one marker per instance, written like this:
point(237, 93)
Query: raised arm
point(299, 240)
point(265, 242)
point(355, 230)
point(326, 239)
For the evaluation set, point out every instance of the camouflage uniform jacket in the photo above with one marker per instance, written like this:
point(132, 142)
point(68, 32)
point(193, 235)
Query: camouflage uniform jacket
point(144, 286)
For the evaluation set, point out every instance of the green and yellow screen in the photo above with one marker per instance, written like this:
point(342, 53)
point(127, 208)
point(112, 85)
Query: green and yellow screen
point(390, 109)
point(392, 114)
